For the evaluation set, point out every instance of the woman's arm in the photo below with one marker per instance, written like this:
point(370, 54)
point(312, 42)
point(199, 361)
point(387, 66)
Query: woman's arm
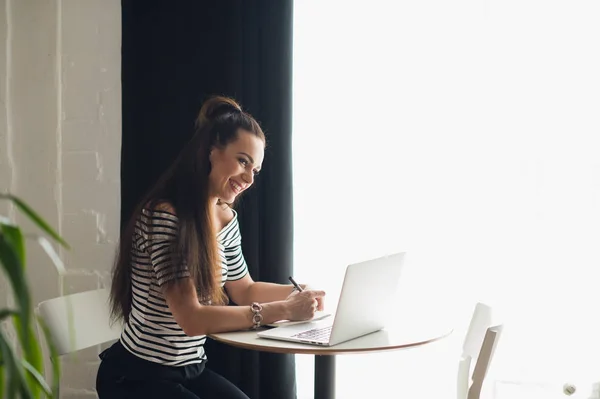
point(260, 291)
point(245, 291)
point(181, 296)
point(197, 319)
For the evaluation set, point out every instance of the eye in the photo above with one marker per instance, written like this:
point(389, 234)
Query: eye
point(256, 172)
point(243, 162)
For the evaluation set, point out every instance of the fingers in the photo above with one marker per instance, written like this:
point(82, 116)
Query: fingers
point(313, 309)
point(317, 297)
point(308, 302)
point(320, 304)
point(315, 293)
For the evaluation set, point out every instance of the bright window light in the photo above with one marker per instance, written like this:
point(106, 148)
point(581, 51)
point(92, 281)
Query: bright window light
point(466, 133)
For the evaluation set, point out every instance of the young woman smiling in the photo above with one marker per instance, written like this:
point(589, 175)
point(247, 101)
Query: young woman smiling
point(180, 262)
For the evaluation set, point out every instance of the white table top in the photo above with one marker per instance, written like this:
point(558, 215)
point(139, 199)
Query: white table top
point(387, 339)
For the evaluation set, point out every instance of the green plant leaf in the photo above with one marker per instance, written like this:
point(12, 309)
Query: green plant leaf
point(37, 377)
point(14, 237)
point(4, 313)
point(32, 352)
point(41, 223)
point(9, 369)
point(2, 379)
point(53, 356)
point(14, 374)
point(10, 261)
point(34, 358)
point(24, 375)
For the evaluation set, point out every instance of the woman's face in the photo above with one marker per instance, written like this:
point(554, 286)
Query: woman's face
point(234, 167)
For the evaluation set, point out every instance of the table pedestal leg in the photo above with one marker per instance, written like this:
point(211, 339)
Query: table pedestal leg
point(324, 377)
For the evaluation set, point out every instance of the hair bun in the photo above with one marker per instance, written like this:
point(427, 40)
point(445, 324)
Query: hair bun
point(217, 106)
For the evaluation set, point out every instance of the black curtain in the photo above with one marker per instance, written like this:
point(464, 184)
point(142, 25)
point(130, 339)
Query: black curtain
point(174, 55)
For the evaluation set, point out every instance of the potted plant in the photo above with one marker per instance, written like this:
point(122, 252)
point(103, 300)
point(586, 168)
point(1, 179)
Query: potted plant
point(21, 362)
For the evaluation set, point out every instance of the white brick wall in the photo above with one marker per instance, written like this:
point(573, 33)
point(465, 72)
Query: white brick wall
point(60, 143)
point(5, 162)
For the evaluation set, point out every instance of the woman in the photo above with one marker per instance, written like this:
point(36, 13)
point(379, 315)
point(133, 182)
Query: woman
point(181, 247)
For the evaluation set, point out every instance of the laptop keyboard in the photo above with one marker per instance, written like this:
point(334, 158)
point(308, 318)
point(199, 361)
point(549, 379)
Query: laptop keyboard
point(316, 334)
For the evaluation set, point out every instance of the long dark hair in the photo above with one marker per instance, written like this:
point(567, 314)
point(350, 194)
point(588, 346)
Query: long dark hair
point(184, 185)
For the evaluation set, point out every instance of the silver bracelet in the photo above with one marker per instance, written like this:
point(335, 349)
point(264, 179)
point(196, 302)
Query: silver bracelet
point(257, 318)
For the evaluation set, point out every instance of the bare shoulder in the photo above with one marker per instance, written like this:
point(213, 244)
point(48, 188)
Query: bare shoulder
point(164, 206)
point(224, 215)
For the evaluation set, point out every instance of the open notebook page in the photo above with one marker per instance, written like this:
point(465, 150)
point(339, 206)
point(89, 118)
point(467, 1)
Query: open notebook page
point(319, 315)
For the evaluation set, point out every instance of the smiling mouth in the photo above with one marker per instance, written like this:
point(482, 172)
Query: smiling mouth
point(235, 187)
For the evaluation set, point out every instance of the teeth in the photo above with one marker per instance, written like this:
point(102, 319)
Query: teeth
point(236, 186)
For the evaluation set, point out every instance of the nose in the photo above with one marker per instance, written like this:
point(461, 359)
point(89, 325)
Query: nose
point(248, 177)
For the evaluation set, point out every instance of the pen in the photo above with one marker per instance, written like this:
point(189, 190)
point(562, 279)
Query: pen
point(295, 284)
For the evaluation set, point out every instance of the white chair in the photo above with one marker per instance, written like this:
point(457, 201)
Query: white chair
point(480, 344)
point(79, 321)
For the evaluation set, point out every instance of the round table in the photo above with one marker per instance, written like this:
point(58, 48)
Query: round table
point(384, 340)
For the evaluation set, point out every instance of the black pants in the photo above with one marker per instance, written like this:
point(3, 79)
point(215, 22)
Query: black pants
point(123, 375)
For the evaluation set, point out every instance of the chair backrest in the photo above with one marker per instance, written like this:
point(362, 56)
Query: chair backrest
point(472, 345)
point(79, 321)
point(480, 322)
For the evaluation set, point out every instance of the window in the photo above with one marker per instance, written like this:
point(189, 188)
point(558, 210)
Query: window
point(467, 134)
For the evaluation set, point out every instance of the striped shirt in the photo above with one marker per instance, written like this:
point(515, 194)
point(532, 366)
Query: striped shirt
point(152, 332)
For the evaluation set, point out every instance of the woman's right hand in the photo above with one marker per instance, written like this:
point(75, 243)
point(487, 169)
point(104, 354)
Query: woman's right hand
point(303, 305)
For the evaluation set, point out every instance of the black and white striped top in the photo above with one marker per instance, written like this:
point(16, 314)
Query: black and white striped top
point(151, 332)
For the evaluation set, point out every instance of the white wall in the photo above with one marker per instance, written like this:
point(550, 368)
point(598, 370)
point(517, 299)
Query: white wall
point(60, 142)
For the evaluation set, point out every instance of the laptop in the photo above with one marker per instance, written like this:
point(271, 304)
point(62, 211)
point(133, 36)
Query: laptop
point(364, 306)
